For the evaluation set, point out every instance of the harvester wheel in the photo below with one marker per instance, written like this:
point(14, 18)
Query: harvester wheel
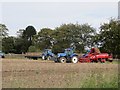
point(74, 59)
point(110, 59)
point(62, 60)
point(102, 60)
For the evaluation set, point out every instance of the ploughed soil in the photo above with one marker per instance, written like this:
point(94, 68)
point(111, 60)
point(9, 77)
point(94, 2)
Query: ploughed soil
point(25, 73)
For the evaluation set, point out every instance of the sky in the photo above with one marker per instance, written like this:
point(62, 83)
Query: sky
point(19, 15)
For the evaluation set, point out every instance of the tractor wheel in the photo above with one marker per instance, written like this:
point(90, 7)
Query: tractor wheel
point(62, 60)
point(74, 59)
point(56, 61)
point(3, 56)
point(43, 57)
point(49, 58)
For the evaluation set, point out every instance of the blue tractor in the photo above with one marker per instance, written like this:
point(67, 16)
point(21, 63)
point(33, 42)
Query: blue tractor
point(2, 55)
point(67, 56)
point(47, 54)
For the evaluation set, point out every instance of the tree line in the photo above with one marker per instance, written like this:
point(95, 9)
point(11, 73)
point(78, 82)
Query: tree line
point(81, 35)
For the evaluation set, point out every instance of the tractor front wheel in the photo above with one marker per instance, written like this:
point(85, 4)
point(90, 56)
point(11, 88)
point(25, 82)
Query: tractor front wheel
point(62, 60)
point(74, 59)
point(49, 58)
point(43, 57)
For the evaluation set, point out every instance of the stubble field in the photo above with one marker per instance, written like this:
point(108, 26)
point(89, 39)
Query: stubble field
point(24, 73)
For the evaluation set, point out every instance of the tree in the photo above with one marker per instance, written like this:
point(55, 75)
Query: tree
point(65, 35)
point(24, 39)
point(29, 32)
point(32, 49)
point(21, 45)
point(3, 33)
point(3, 30)
point(8, 44)
point(109, 37)
point(80, 35)
point(20, 33)
point(43, 39)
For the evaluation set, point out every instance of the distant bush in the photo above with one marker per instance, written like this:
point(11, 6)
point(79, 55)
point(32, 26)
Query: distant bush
point(32, 49)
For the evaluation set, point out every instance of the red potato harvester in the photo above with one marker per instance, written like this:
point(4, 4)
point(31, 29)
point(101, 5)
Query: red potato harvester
point(95, 56)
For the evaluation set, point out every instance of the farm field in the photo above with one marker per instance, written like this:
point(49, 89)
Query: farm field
point(25, 73)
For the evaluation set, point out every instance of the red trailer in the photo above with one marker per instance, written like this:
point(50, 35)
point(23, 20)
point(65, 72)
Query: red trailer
point(95, 56)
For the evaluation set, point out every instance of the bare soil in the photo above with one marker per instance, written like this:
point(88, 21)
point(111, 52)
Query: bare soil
point(24, 73)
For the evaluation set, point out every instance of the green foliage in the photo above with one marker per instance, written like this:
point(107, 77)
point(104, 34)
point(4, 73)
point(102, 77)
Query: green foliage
point(14, 45)
point(24, 39)
point(3, 33)
point(32, 49)
point(63, 36)
point(80, 35)
point(29, 32)
point(109, 37)
point(101, 81)
point(21, 45)
point(20, 33)
point(8, 44)
point(18, 44)
point(43, 39)
point(3, 30)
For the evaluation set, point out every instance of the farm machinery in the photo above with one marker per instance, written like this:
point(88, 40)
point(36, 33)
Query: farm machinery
point(67, 56)
point(47, 54)
point(94, 55)
point(2, 55)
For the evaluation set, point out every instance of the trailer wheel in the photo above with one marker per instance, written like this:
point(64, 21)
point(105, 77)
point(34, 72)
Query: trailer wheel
point(62, 60)
point(74, 59)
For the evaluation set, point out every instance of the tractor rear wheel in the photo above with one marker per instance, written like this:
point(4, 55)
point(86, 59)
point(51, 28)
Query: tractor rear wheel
point(62, 60)
point(74, 59)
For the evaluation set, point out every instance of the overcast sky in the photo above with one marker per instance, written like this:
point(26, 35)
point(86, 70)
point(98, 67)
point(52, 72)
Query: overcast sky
point(52, 14)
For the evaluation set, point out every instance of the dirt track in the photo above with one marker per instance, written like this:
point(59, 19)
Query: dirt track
point(47, 74)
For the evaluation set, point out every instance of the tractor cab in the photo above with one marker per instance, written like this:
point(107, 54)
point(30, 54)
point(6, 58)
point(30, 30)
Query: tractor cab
point(68, 51)
point(46, 51)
